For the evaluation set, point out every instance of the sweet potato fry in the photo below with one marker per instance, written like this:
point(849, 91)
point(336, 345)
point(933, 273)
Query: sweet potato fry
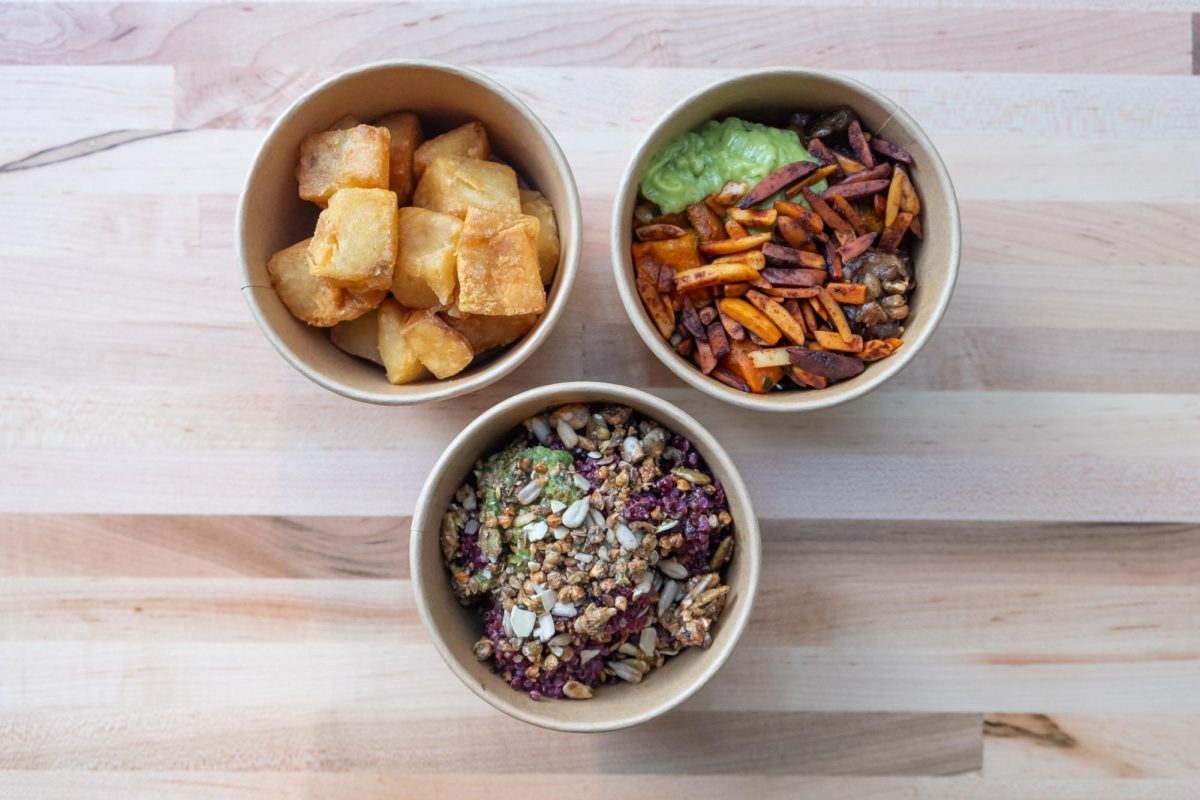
point(731, 192)
point(794, 277)
point(916, 229)
point(842, 206)
point(666, 279)
point(792, 231)
point(735, 289)
point(853, 293)
point(893, 198)
point(876, 349)
point(729, 379)
point(660, 313)
point(656, 232)
point(778, 255)
point(735, 229)
point(834, 258)
point(680, 253)
point(707, 315)
point(835, 315)
point(820, 175)
point(685, 347)
point(806, 380)
point(751, 319)
point(718, 339)
point(908, 195)
point(856, 247)
point(821, 151)
point(732, 327)
point(643, 212)
point(848, 165)
point(793, 307)
point(809, 220)
point(880, 206)
point(759, 380)
point(772, 357)
point(791, 292)
point(831, 341)
point(751, 258)
point(878, 172)
point(676, 218)
point(892, 151)
point(727, 246)
point(810, 316)
point(858, 143)
point(856, 189)
point(704, 356)
point(778, 315)
point(649, 266)
point(754, 217)
point(827, 365)
point(892, 235)
point(713, 275)
point(707, 224)
point(815, 304)
point(827, 214)
point(689, 320)
point(776, 182)
point(894, 342)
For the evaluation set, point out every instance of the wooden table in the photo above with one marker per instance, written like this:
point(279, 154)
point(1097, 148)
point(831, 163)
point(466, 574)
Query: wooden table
point(982, 581)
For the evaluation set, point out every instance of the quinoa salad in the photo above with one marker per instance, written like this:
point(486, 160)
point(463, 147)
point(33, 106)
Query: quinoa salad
point(592, 546)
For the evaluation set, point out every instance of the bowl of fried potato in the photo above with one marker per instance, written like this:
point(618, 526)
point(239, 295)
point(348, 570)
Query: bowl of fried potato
point(810, 283)
point(408, 231)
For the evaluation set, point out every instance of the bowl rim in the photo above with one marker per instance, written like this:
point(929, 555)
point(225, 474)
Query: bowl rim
point(505, 362)
point(622, 263)
point(426, 521)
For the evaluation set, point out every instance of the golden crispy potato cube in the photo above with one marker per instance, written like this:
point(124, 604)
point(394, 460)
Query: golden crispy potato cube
point(311, 299)
point(535, 204)
point(484, 333)
point(355, 158)
point(469, 141)
point(426, 268)
point(498, 272)
point(405, 129)
point(399, 358)
point(355, 241)
point(344, 123)
point(453, 184)
point(359, 337)
point(443, 350)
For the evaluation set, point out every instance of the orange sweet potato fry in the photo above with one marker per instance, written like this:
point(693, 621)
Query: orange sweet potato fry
point(809, 220)
point(792, 292)
point(830, 340)
point(792, 231)
point(680, 253)
point(734, 328)
point(738, 245)
point(842, 206)
point(660, 312)
point(806, 379)
point(707, 224)
point(751, 258)
point(827, 214)
point(735, 229)
point(729, 379)
point(731, 192)
point(759, 379)
point(892, 235)
point(658, 231)
point(875, 349)
point(714, 275)
point(893, 198)
point(848, 165)
point(856, 247)
point(821, 174)
point(853, 293)
point(894, 342)
point(751, 319)
point(735, 289)
point(810, 316)
point(778, 315)
point(836, 316)
point(754, 217)
point(908, 195)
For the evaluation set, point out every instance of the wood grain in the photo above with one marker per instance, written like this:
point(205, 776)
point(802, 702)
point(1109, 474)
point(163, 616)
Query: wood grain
point(980, 582)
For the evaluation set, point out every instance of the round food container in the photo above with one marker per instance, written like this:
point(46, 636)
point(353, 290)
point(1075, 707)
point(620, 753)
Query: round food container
point(935, 258)
point(456, 628)
point(271, 215)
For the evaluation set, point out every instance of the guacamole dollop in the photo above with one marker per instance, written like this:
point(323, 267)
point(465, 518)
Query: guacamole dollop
point(697, 163)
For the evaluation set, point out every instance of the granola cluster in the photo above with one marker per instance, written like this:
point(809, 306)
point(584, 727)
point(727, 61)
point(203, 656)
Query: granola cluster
point(593, 546)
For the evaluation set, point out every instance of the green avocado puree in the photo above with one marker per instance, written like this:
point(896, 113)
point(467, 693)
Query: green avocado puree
point(697, 163)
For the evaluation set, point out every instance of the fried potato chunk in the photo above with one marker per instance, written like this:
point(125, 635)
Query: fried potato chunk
point(399, 358)
point(359, 337)
point(405, 129)
point(452, 184)
point(468, 141)
point(441, 349)
point(426, 267)
point(353, 158)
point(535, 204)
point(485, 332)
point(356, 239)
point(311, 299)
point(498, 273)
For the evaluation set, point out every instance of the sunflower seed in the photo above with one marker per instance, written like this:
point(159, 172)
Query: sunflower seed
point(587, 655)
point(596, 517)
point(631, 450)
point(529, 492)
point(627, 538)
point(583, 558)
point(559, 533)
point(724, 549)
point(560, 640)
point(508, 629)
point(625, 672)
point(581, 483)
point(648, 640)
point(576, 513)
point(666, 526)
point(670, 591)
point(692, 476)
point(568, 435)
point(524, 519)
point(541, 429)
point(673, 569)
point(576, 690)
point(629, 649)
